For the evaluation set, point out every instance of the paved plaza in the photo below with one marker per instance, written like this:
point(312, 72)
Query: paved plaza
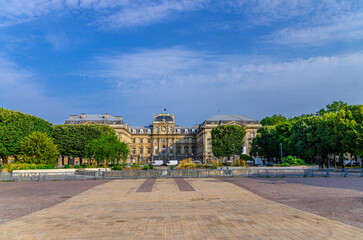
point(173, 209)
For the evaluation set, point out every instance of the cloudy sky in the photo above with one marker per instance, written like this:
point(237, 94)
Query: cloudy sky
point(194, 57)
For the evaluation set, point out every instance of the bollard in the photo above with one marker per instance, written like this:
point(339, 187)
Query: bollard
point(327, 172)
point(345, 172)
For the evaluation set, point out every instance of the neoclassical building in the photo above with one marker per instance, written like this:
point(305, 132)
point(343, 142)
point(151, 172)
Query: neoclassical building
point(164, 139)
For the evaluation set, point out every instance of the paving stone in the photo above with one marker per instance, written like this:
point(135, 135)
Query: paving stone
point(215, 210)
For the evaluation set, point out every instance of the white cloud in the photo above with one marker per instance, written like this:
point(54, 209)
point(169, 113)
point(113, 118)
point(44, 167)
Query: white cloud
point(304, 22)
point(109, 13)
point(190, 78)
point(343, 28)
point(148, 14)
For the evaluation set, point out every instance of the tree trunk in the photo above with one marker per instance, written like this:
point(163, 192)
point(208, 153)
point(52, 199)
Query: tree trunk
point(341, 158)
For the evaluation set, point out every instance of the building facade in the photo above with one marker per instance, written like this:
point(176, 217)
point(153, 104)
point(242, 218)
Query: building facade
point(165, 140)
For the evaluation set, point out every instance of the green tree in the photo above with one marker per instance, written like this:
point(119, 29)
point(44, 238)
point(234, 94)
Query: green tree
point(303, 138)
point(15, 126)
point(38, 148)
point(336, 106)
point(261, 144)
point(72, 140)
point(273, 120)
point(108, 148)
point(224, 137)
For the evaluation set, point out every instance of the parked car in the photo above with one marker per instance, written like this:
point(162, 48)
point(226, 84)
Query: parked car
point(172, 163)
point(157, 163)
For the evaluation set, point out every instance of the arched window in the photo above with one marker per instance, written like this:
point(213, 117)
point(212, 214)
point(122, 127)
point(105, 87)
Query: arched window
point(133, 130)
point(141, 131)
point(178, 131)
point(185, 130)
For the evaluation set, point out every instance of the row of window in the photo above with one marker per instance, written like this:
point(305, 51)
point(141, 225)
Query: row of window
point(171, 151)
point(156, 129)
point(164, 140)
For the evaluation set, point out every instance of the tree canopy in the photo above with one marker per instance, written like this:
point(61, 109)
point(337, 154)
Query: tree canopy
point(336, 106)
point(273, 120)
point(224, 137)
point(108, 148)
point(15, 126)
point(335, 130)
point(38, 148)
point(72, 140)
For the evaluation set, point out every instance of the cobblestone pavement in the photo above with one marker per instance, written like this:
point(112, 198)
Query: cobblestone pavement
point(18, 199)
point(215, 210)
point(339, 199)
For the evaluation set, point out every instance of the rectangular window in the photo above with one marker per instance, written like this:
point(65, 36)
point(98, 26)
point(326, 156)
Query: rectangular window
point(186, 140)
point(141, 151)
point(133, 151)
point(194, 151)
point(148, 151)
point(186, 150)
point(179, 140)
point(149, 141)
point(156, 141)
point(141, 140)
point(171, 140)
point(133, 140)
point(178, 150)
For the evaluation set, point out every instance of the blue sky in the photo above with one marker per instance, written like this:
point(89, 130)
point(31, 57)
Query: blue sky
point(195, 57)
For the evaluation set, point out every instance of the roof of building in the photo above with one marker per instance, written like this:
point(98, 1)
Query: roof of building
point(93, 117)
point(230, 118)
point(163, 116)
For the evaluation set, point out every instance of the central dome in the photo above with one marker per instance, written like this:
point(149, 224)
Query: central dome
point(160, 118)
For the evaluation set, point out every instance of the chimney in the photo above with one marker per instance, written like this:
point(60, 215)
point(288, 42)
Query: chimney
point(72, 116)
point(83, 115)
point(119, 117)
point(106, 115)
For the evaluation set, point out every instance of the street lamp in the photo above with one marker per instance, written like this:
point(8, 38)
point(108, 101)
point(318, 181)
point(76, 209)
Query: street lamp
point(233, 153)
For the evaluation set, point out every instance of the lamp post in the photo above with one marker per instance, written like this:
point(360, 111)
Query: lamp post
point(233, 153)
point(281, 151)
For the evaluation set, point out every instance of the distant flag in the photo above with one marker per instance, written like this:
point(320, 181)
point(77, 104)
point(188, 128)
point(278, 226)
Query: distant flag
point(165, 110)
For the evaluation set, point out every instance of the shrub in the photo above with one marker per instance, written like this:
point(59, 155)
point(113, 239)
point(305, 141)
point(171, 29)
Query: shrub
point(187, 163)
point(241, 162)
point(136, 166)
point(77, 166)
point(67, 166)
point(151, 167)
point(146, 167)
point(28, 166)
point(117, 167)
point(291, 161)
point(246, 157)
